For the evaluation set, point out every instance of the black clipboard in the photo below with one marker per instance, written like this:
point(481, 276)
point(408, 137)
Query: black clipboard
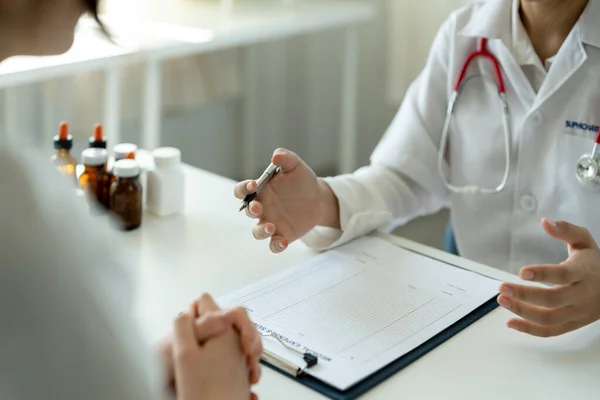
point(392, 368)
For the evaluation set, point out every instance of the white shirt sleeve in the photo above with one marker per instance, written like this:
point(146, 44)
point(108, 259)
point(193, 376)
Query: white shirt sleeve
point(67, 330)
point(402, 180)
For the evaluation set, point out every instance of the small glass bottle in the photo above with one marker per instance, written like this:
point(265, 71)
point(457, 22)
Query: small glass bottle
point(98, 140)
point(121, 151)
point(126, 194)
point(166, 183)
point(92, 179)
point(62, 158)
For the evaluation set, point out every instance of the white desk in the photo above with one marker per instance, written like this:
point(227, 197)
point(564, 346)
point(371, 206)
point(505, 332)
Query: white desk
point(210, 248)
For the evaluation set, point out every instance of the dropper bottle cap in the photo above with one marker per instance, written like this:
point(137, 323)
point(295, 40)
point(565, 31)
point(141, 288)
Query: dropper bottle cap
point(63, 141)
point(98, 141)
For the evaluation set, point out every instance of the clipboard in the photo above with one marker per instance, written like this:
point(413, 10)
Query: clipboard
point(360, 388)
point(296, 372)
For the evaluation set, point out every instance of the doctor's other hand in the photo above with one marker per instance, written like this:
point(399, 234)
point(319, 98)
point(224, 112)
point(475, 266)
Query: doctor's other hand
point(572, 302)
point(215, 370)
point(291, 204)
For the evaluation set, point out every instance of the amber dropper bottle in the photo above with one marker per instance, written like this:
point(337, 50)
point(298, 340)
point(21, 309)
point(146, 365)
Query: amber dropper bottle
point(62, 158)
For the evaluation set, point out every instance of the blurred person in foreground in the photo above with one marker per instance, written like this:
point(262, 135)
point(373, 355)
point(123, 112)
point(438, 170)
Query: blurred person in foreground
point(67, 329)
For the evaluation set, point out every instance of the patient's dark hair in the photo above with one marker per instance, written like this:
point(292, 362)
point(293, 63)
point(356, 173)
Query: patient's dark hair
point(92, 6)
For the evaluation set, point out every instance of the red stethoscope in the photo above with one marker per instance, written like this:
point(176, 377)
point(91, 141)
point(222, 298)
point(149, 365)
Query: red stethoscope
point(588, 165)
point(462, 79)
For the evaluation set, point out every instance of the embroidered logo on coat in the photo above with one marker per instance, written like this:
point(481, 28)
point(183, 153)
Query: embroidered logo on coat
point(582, 126)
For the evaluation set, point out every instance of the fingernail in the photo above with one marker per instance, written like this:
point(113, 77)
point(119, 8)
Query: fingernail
point(513, 326)
point(504, 302)
point(552, 223)
point(249, 187)
point(527, 275)
point(281, 245)
point(506, 291)
point(268, 230)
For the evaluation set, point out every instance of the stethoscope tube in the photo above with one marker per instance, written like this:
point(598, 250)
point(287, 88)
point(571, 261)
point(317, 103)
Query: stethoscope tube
point(474, 189)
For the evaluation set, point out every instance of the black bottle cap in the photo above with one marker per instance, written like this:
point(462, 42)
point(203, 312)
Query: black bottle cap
point(97, 140)
point(98, 144)
point(63, 141)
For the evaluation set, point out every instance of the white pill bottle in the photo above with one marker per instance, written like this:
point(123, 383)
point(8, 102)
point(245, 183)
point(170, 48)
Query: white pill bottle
point(166, 183)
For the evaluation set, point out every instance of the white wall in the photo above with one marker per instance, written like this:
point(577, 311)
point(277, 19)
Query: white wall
point(412, 28)
point(302, 92)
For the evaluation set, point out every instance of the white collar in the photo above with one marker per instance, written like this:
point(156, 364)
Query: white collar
point(520, 44)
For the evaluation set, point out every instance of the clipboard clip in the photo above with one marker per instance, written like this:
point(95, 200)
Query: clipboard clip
point(310, 359)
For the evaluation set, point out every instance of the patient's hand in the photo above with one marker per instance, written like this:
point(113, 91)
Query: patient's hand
point(210, 322)
point(215, 370)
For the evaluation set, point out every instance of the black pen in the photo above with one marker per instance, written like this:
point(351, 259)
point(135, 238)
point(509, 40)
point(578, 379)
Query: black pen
point(269, 173)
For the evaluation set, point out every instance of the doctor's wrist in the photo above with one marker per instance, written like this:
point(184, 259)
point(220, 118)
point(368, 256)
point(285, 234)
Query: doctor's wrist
point(329, 207)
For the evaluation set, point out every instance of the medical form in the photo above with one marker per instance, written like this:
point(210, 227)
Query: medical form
point(360, 307)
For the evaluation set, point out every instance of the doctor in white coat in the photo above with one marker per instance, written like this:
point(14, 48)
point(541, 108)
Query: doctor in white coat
point(548, 53)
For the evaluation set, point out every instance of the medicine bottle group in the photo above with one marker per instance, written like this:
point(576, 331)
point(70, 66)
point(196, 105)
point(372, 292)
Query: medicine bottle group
point(120, 186)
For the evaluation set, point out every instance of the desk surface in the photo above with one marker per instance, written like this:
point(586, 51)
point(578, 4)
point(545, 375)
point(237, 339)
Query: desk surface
point(210, 248)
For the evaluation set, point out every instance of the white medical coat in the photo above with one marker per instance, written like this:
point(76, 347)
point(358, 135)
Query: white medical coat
point(551, 128)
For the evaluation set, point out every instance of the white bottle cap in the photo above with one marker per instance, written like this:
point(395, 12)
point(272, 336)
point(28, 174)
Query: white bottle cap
point(165, 157)
point(126, 168)
point(94, 157)
point(121, 150)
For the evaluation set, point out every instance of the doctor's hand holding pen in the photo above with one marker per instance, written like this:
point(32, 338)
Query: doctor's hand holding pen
point(292, 203)
point(573, 300)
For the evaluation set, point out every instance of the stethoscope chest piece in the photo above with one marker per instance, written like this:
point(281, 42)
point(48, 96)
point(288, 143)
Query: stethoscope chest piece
point(587, 171)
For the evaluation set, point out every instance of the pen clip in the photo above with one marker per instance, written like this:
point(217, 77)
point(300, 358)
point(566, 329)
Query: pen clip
point(266, 176)
point(270, 172)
